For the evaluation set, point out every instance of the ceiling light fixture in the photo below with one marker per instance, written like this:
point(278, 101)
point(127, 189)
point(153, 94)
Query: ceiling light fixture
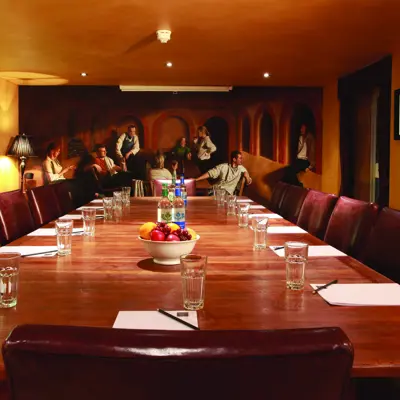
point(83, 74)
point(144, 88)
point(169, 64)
point(163, 35)
point(266, 75)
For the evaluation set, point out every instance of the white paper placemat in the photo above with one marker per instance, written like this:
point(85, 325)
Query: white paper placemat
point(71, 216)
point(95, 207)
point(26, 250)
point(267, 215)
point(285, 229)
point(257, 207)
point(244, 201)
point(51, 232)
point(313, 251)
point(97, 201)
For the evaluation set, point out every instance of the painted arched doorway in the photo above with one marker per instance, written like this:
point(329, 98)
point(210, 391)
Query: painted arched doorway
point(219, 132)
point(169, 131)
point(246, 134)
point(266, 134)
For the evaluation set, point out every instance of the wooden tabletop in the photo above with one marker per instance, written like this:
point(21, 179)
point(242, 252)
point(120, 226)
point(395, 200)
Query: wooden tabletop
point(245, 289)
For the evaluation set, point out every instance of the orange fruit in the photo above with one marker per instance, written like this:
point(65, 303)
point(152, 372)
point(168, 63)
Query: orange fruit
point(145, 230)
point(192, 232)
point(174, 227)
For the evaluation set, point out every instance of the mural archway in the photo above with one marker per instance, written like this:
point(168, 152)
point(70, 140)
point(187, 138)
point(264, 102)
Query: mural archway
point(219, 132)
point(266, 136)
point(246, 133)
point(167, 132)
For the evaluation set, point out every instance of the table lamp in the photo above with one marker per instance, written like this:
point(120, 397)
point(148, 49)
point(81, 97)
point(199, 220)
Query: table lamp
point(21, 148)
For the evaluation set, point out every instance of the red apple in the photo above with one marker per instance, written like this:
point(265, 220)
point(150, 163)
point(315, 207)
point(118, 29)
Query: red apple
point(172, 238)
point(157, 236)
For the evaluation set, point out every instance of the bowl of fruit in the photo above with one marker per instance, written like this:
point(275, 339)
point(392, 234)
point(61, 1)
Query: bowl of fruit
point(166, 243)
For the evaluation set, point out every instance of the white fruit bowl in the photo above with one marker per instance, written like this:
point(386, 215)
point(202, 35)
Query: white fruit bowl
point(168, 253)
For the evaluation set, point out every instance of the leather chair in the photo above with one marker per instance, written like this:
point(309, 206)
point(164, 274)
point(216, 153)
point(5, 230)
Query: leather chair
point(292, 202)
point(316, 211)
point(350, 225)
point(64, 197)
point(277, 197)
point(80, 363)
point(381, 252)
point(190, 186)
point(44, 204)
point(15, 216)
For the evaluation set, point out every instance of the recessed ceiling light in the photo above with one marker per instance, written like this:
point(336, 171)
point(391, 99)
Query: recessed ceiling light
point(266, 75)
point(83, 74)
point(169, 64)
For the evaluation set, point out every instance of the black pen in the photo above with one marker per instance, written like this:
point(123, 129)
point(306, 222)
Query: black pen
point(178, 319)
point(325, 286)
point(279, 247)
point(42, 252)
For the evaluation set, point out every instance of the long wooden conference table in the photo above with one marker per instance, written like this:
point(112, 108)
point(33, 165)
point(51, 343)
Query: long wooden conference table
point(245, 289)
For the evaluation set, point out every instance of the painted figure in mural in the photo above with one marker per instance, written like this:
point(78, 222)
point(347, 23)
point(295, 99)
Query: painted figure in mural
point(52, 169)
point(127, 147)
point(204, 148)
point(181, 152)
point(228, 175)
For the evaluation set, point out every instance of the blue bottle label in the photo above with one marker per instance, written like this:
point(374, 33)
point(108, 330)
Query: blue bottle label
point(179, 218)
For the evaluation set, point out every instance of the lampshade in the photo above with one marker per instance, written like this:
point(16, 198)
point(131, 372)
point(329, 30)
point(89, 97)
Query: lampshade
point(21, 147)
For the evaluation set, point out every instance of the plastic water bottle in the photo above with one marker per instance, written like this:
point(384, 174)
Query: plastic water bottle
point(183, 190)
point(178, 209)
point(164, 208)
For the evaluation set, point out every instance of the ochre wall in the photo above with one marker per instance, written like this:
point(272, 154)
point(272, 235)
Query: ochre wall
point(9, 174)
point(394, 194)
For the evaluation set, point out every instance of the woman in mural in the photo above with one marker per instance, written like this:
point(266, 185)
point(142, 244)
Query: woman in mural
point(52, 169)
point(181, 152)
point(204, 149)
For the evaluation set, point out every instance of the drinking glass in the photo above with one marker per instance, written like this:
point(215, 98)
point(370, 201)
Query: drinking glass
point(243, 216)
point(9, 270)
point(296, 257)
point(117, 205)
point(231, 202)
point(193, 273)
point(64, 229)
point(108, 208)
point(214, 191)
point(259, 226)
point(89, 220)
point(221, 197)
point(126, 196)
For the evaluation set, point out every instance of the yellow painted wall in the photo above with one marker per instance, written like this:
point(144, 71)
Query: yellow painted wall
point(9, 174)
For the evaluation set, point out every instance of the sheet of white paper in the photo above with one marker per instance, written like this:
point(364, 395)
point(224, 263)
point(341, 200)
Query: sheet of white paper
point(244, 201)
point(51, 232)
point(257, 207)
point(361, 294)
point(314, 251)
point(267, 215)
point(95, 207)
point(285, 229)
point(97, 201)
point(71, 216)
point(26, 250)
point(154, 320)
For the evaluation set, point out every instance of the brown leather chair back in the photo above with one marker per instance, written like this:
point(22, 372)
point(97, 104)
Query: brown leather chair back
point(350, 225)
point(80, 363)
point(190, 186)
point(64, 196)
point(316, 211)
point(15, 216)
point(381, 252)
point(292, 202)
point(277, 197)
point(44, 204)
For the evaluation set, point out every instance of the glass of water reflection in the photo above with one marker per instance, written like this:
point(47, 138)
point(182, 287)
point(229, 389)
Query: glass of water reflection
point(89, 220)
point(193, 273)
point(9, 271)
point(243, 215)
point(231, 204)
point(296, 257)
point(108, 208)
point(64, 229)
point(259, 225)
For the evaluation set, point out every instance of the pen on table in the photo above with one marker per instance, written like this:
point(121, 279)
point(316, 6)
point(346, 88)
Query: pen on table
point(279, 247)
point(325, 286)
point(37, 254)
point(178, 319)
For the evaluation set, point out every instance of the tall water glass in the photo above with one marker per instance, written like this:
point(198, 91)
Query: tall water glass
point(296, 257)
point(243, 215)
point(221, 193)
point(108, 208)
point(9, 271)
point(193, 273)
point(126, 196)
point(117, 205)
point(231, 205)
point(260, 227)
point(64, 229)
point(89, 220)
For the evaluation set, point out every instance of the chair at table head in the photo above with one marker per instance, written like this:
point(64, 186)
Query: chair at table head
point(189, 183)
point(80, 363)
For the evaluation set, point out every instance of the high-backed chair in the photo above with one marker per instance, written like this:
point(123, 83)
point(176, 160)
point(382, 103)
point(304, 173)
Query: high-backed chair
point(277, 197)
point(64, 197)
point(316, 211)
point(292, 202)
point(15, 216)
point(350, 225)
point(80, 363)
point(381, 252)
point(189, 183)
point(44, 204)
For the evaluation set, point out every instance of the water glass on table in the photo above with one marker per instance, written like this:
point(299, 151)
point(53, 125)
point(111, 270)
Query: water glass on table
point(243, 215)
point(231, 204)
point(9, 271)
point(296, 257)
point(64, 229)
point(193, 273)
point(260, 226)
point(126, 196)
point(221, 193)
point(108, 208)
point(89, 221)
point(117, 205)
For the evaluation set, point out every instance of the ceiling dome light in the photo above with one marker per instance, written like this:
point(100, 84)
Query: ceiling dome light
point(83, 74)
point(169, 64)
point(266, 75)
point(163, 35)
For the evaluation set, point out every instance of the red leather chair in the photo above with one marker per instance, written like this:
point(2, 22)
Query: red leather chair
point(15, 216)
point(64, 196)
point(381, 252)
point(292, 202)
point(316, 211)
point(350, 225)
point(277, 197)
point(80, 363)
point(190, 186)
point(44, 205)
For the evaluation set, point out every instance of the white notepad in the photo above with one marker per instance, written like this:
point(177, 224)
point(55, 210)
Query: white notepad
point(285, 229)
point(154, 320)
point(71, 216)
point(314, 251)
point(97, 201)
point(51, 232)
point(361, 294)
point(26, 250)
point(257, 207)
point(269, 216)
point(96, 208)
point(244, 201)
